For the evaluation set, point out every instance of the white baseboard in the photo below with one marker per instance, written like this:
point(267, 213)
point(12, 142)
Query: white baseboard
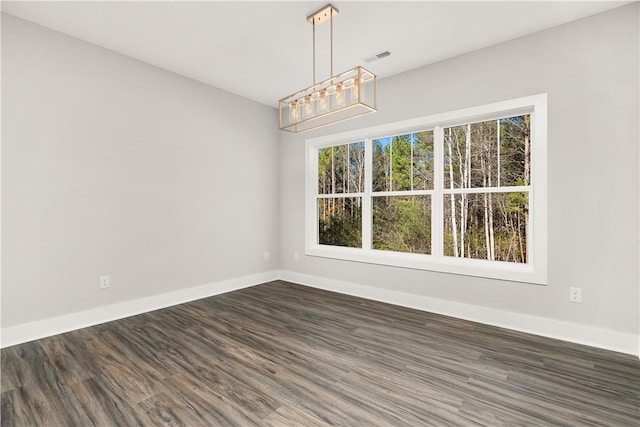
point(69, 322)
point(566, 331)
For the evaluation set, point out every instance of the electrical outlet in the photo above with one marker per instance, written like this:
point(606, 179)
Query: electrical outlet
point(296, 256)
point(105, 282)
point(575, 294)
point(266, 256)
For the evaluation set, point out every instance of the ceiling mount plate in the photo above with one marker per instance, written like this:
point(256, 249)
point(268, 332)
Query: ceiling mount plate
point(322, 15)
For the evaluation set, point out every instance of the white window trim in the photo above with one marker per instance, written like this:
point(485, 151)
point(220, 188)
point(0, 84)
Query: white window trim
point(535, 271)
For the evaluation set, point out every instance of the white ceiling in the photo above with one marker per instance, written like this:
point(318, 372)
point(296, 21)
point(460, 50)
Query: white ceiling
point(262, 50)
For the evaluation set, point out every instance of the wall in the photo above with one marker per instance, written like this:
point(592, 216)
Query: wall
point(589, 68)
point(113, 166)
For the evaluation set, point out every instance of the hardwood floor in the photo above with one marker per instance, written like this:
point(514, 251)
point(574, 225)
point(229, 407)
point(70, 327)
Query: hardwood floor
point(283, 354)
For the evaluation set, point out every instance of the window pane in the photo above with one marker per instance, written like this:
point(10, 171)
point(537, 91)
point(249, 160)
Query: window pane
point(490, 226)
point(494, 153)
point(515, 156)
point(340, 221)
point(341, 169)
point(423, 161)
point(325, 166)
point(484, 154)
point(402, 223)
point(403, 162)
point(456, 157)
point(382, 155)
point(356, 167)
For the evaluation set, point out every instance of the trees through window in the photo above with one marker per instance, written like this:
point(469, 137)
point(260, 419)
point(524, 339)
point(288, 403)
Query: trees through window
point(492, 157)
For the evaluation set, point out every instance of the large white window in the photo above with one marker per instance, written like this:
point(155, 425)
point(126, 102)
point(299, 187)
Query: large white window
point(461, 192)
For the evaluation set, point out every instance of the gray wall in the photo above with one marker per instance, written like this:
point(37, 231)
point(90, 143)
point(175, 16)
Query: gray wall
point(113, 166)
point(589, 68)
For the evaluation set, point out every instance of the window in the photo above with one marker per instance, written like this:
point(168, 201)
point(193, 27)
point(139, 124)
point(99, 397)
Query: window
point(461, 192)
point(340, 189)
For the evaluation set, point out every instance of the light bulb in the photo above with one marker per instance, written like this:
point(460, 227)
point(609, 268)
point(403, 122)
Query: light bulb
point(293, 111)
point(322, 100)
point(338, 99)
point(355, 90)
point(308, 106)
point(305, 107)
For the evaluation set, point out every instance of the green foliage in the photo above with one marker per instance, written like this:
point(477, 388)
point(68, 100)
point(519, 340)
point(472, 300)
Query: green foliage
point(518, 202)
point(402, 224)
point(403, 162)
point(341, 231)
point(340, 222)
point(341, 169)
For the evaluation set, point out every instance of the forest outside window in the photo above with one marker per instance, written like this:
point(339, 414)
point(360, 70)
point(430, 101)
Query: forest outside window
point(461, 192)
point(402, 173)
point(486, 189)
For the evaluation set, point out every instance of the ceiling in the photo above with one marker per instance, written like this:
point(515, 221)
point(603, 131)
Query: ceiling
point(263, 50)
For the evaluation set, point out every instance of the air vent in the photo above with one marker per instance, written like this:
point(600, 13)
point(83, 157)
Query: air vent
point(377, 56)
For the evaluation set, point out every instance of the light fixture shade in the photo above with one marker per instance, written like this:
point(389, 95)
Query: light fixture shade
point(341, 97)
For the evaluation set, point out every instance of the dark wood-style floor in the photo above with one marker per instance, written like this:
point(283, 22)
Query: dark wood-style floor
point(283, 354)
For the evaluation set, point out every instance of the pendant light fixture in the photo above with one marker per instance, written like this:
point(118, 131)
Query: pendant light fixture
point(341, 97)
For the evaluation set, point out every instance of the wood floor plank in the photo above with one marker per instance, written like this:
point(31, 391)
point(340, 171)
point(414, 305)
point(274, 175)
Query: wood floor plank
point(228, 409)
point(20, 364)
point(281, 354)
point(123, 374)
point(290, 416)
point(10, 377)
point(64, 353)
point(19, 410)
point(160, 410)
point(401, 408)
point(209, 410)
point(104, 405)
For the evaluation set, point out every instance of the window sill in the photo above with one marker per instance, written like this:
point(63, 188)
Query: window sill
point(464, 266)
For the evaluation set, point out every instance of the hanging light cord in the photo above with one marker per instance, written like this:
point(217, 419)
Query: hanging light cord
point(314, 46)
point(331, 21)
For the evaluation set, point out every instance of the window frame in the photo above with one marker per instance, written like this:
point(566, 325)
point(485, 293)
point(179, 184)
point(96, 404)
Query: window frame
point(534, 271)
